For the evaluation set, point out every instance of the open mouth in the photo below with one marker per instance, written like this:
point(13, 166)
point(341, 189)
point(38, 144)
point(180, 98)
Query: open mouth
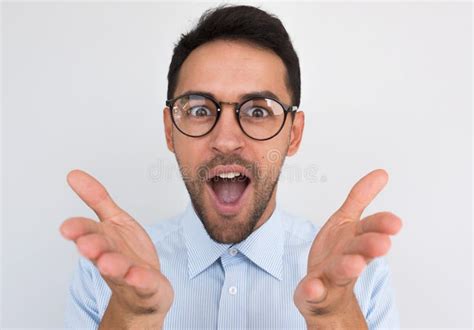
point(228, 185)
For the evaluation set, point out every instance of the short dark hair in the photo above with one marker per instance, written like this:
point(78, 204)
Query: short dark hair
point(247, 23)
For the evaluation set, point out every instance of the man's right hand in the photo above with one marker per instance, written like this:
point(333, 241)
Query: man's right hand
point(123, 253)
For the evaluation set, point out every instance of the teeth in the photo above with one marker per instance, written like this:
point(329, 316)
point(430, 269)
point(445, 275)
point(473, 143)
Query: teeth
point(229, 175)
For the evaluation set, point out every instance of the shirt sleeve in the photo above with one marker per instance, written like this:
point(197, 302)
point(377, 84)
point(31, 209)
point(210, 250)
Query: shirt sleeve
point(81, 306)
point(383, 312)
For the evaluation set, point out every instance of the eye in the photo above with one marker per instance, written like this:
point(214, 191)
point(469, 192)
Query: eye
point(257, 112)
point(199, 112)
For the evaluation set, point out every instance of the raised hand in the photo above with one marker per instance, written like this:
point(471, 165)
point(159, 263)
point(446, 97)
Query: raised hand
point(340, 252)
point(123, 253)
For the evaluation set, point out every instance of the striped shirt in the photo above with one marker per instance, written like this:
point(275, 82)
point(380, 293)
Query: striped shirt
point(248, 285)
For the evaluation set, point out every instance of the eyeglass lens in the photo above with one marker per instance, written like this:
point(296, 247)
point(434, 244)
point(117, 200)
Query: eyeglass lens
point(196, 115)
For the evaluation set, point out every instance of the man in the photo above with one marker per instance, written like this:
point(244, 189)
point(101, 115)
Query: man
point(232, 259)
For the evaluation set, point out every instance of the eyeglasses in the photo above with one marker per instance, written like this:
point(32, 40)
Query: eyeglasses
point(260, 118)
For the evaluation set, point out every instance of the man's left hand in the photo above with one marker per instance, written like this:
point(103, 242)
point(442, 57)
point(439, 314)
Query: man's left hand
point(340, 252)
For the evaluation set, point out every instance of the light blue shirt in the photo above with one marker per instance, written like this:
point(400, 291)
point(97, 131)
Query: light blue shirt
point(248, 285)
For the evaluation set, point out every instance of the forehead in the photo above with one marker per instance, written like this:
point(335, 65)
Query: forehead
point(229, 69)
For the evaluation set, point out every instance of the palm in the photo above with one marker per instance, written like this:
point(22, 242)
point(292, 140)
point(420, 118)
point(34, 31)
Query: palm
point(343, 248)
point(331, 240)
point(130, 239)
point(119, 247)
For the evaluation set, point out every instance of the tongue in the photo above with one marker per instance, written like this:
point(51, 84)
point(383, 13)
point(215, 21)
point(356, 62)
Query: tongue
point(229, 191)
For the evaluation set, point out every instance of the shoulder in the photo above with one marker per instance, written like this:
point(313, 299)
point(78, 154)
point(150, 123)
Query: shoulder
point(164, 229)
point(376, 274)
point(167, 236)
point(376, 295)
point(298, 230)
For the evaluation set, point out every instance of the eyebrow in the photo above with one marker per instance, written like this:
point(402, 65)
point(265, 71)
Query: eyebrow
point(263, 93)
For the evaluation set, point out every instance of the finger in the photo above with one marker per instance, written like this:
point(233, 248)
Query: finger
point(92, 246)
point(381, 222)
point(93, 194)
point(363, 192)
point(73, 228)
point(369, 245)
point(114, 266)
point(344, 269)
point(121, 270)
point(145, 281)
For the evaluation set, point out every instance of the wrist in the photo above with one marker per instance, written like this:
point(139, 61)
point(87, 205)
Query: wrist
point(335, 322)
point(347, 316)
point(121, 316)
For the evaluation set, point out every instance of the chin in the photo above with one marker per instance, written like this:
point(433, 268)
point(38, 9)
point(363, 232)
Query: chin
point(229, 229)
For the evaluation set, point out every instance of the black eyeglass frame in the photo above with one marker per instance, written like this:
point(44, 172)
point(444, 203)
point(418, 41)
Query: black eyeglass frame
point(237, 105)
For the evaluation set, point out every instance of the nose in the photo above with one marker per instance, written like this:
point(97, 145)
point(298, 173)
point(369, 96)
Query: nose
point(227, 137)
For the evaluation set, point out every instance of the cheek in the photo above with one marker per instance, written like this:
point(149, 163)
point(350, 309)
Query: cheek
point(191, 152)
point(273, 151)
point(270, 161)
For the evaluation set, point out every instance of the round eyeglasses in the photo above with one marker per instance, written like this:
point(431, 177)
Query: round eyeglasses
point(260, 118)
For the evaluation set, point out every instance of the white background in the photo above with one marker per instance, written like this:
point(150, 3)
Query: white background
point(383, 85)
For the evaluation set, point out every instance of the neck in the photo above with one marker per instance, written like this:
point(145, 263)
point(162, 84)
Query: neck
point(268, 210)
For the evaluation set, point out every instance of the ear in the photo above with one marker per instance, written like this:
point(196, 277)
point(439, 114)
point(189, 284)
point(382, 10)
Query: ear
point(168, 125)
point(296, 133)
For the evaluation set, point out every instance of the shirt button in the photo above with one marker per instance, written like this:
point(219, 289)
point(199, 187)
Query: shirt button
point(233, 290)
point(233, 251)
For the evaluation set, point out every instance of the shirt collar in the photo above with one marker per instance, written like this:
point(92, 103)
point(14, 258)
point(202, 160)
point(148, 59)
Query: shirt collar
point(264, 247)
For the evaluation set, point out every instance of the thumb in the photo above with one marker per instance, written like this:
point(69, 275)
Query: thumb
point(311, 291)
point(317, 291)
point(93, 193)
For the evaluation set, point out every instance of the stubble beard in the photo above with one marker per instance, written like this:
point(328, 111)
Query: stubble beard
point(228, 229)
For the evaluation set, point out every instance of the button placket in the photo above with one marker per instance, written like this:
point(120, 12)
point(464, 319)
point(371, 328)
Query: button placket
point(233, 290)
point(233, 252)
point(233, 299)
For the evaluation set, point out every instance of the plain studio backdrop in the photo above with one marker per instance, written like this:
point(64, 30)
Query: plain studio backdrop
point(384, 85)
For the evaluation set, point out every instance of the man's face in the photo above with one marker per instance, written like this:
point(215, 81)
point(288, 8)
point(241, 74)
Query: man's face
point(231, 209)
